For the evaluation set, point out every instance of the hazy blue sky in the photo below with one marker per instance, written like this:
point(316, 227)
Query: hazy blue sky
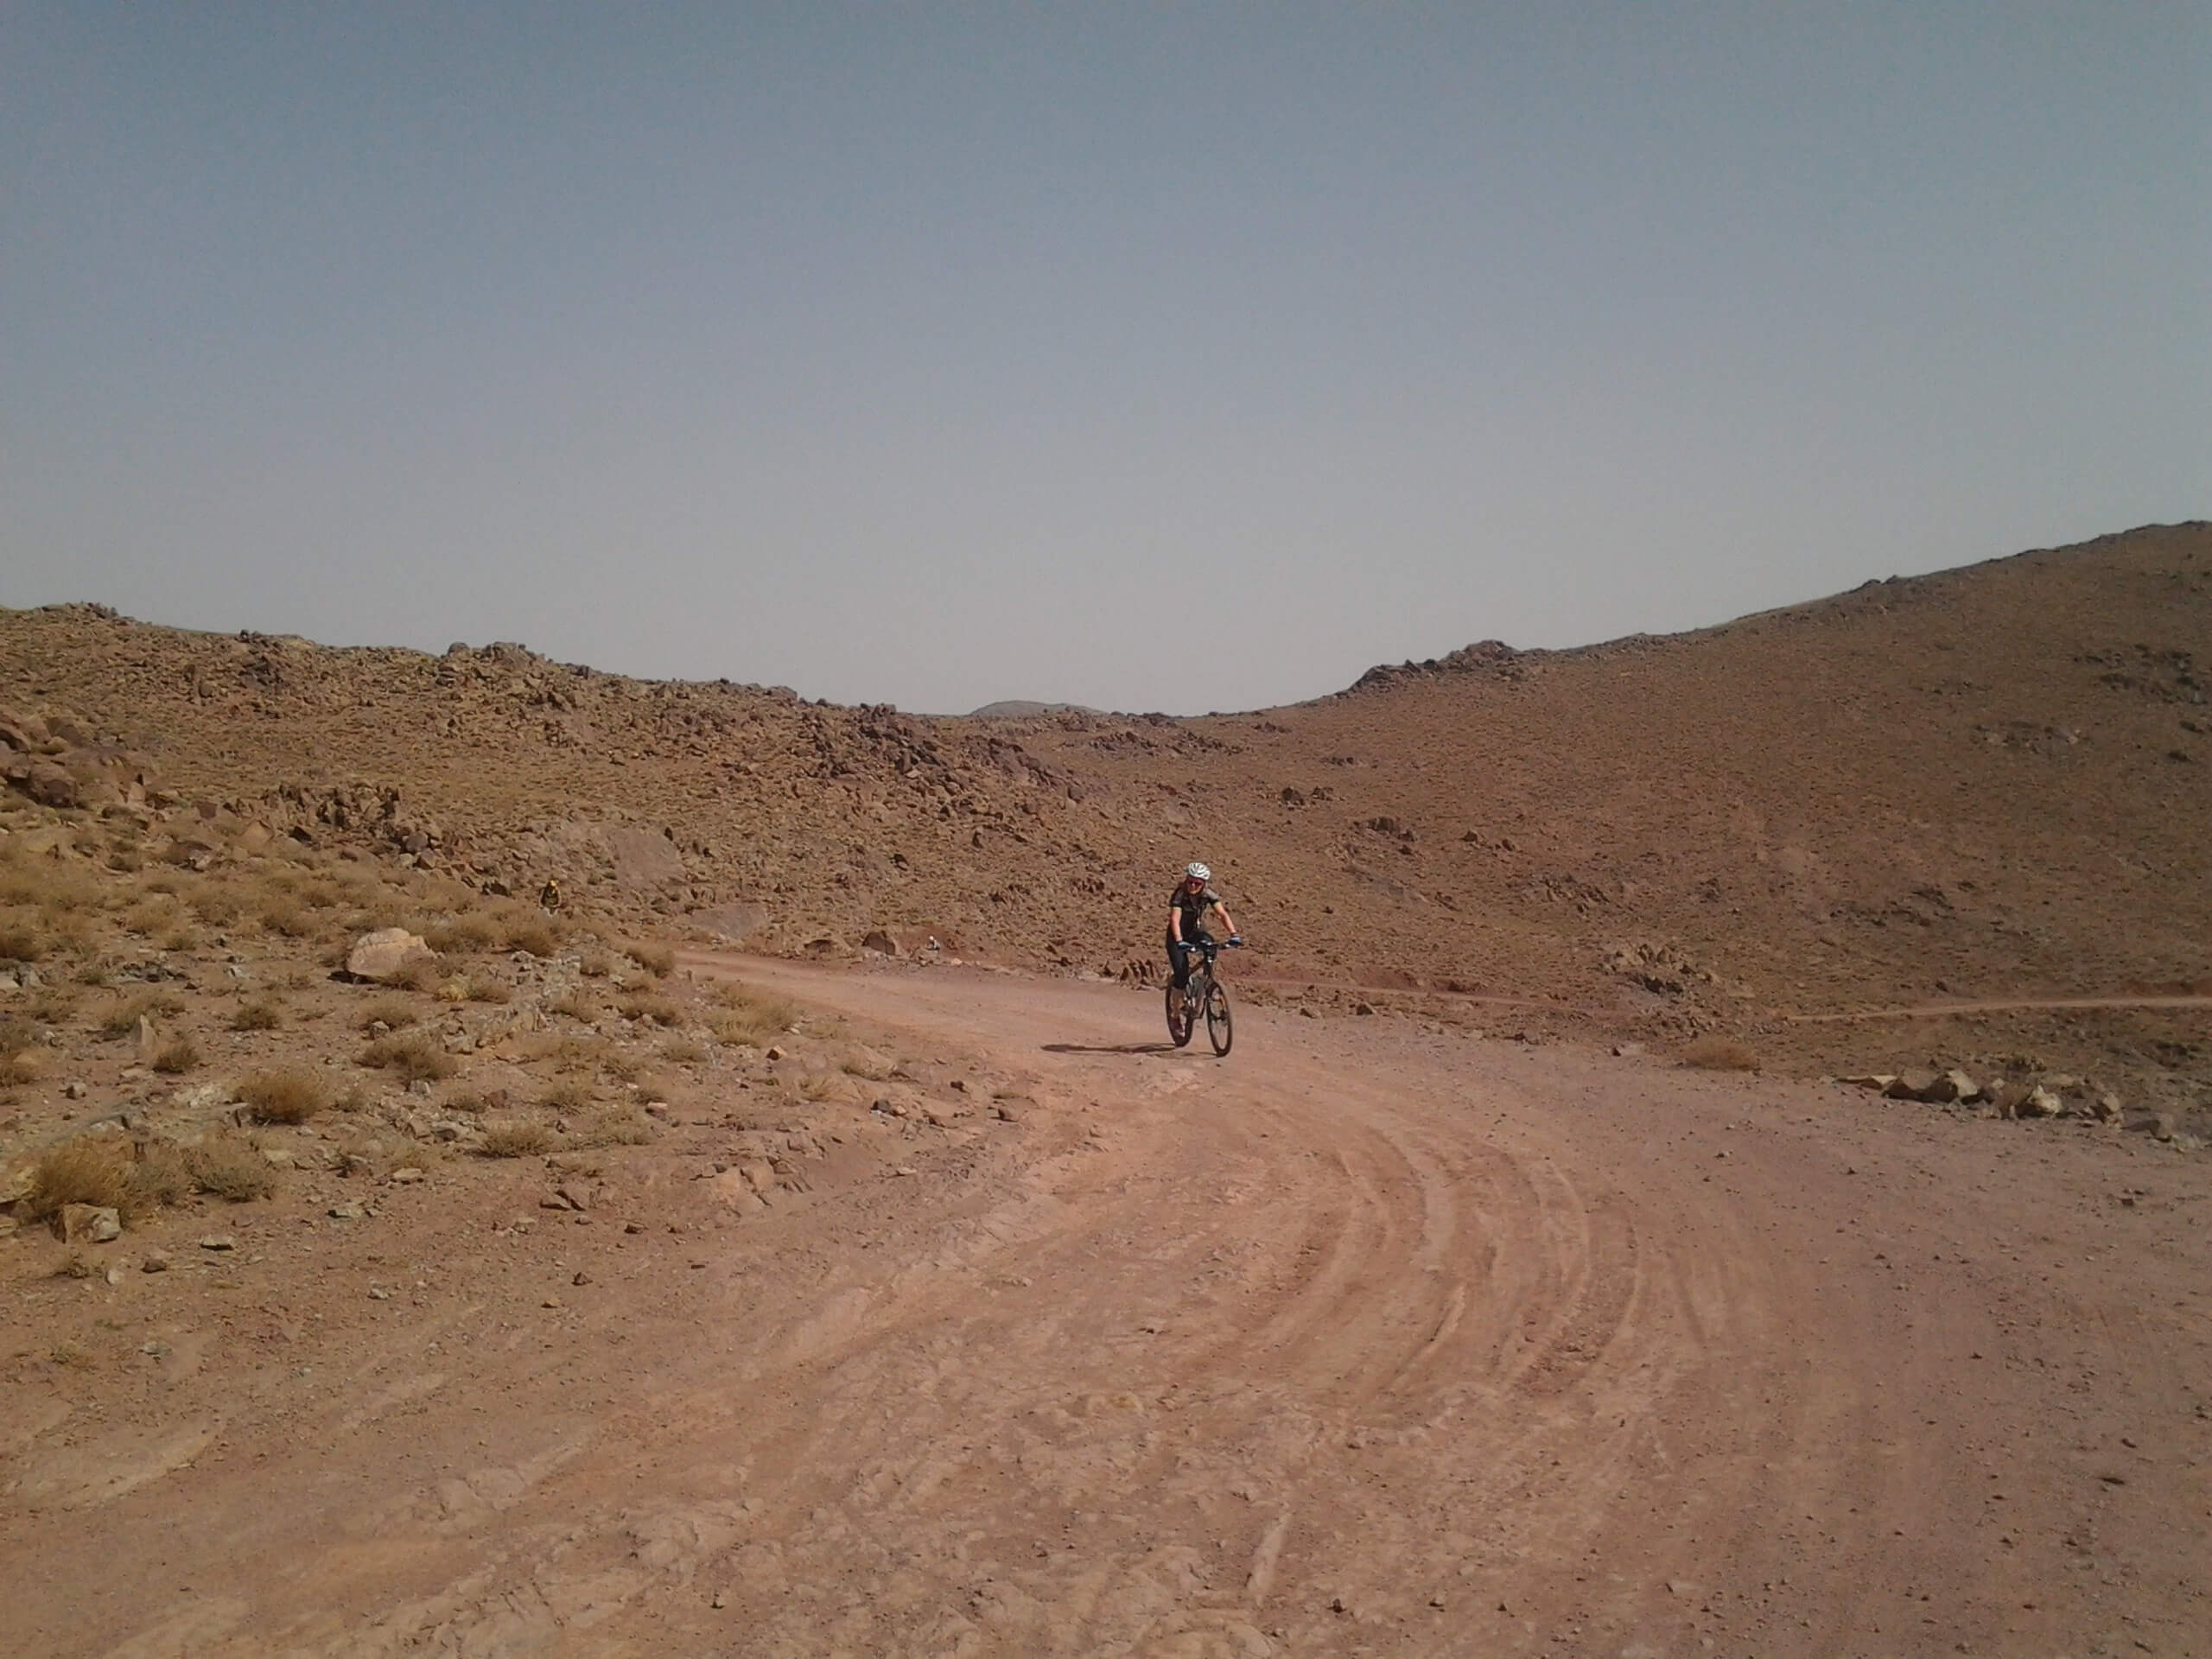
point(1149, 357)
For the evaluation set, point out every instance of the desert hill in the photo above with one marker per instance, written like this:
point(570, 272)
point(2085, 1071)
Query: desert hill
point(1989, 783)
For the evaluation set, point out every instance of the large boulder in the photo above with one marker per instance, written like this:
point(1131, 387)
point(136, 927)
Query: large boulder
point(386, 953)
point(50, 785)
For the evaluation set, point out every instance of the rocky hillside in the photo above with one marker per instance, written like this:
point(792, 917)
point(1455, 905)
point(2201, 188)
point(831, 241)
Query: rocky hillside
point(1989, 783)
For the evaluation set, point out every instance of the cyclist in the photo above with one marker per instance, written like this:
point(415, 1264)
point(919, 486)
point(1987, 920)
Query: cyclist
point(1192, 902)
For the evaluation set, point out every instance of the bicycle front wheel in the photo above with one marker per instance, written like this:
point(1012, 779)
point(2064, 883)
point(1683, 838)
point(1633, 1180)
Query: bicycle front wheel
point(1178, 1017)
point(1217, 1030)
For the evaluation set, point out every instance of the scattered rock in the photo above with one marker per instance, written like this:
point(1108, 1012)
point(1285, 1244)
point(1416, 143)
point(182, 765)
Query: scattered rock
point(2107, 1108)
point(408, 1175)
point(74, 1091)
point(387, 951)
point(551, 1301)
point(2163, 1126)
point(154, 1262)
point(575, 1194)
point(582, 1278)
point(1627, 1051)
point(150, 1039)
point(775, 1053)
point(882, 944)
point(1005, 1113)
point(2039, 1102)
point(218, 1241)
point(344, 1212)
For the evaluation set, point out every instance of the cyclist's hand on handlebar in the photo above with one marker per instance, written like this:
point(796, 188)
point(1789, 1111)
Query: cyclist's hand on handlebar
point(1237, 939)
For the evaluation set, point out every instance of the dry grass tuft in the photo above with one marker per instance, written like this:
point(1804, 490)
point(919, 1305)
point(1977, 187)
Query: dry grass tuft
point(575, 1005)
point(1720, 1054)
point(18, 1054)
point(177, 1055)
point(414, 1055)
point(483, 987)
point(654, 957)
point(515, 1137)
point(658, 1009)
point(463, 934)
point(420, 974)
point(390, 1011)
point(821, 1086)
point(22, 939)
point(228, 1168)
point(684, 1051)
point(286, 1094)
point(263, 1013)
point(537, 937)
point(88, 1169)
point(121, 1017)
point(566, 1095)
point(290, 919)
point(615, 1128)
point(750, 1018)
point(595, 964)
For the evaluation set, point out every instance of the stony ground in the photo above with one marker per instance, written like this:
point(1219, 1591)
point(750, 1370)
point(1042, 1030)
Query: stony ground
point(1523, 1281)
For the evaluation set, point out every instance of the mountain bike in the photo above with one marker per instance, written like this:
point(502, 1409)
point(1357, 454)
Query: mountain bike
point(1202, 994)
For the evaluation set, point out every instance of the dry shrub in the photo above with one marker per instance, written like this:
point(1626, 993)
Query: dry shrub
point(88, 1169)
point(46, 883)
point(163, 1175)
point(615, 1128)
point(536, 936)
point(419, 975)
point(21, 939)
point(414, 1055)
point(452, 990)
point(658, 1009)
point(821, 1086)
point(217, 905)
point(290, 919)
point(466, 1102)
point(515, 1137)
point(121, 1017)
point(463, 934)
point(750, 1018)
point(261, 1015)
point(1720, 1054)
point(575, 1005)
point(227, 1168)
point(285, 1094)
point(868, 1070)
point(483, 987)
point(654, 957)
point(683, 1051)
point(18, 1053)
point(623, 1066)
point(391, 1010)
point(596, 964)
point(176, 1057)
point(566, 1095)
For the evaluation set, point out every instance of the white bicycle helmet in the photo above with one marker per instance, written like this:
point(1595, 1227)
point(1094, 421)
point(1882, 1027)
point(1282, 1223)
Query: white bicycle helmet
point(1197, 873)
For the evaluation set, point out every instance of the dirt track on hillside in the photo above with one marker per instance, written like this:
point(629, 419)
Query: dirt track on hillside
point(1371, 1339)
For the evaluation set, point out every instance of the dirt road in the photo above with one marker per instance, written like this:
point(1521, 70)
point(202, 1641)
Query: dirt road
point(1369, 1339)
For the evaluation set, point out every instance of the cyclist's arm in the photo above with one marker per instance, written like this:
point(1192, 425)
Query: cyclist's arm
point(1228, 920)
point(1175, 923)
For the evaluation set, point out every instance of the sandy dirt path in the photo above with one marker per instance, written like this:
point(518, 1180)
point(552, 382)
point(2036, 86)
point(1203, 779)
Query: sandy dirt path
point(1369, 1339)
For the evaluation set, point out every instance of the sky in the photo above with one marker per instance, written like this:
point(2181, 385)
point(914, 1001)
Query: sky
point(1179, 358)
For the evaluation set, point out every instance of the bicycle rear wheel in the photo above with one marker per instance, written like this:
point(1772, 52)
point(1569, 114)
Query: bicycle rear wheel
point(1217, 1029)
point(1179, 1018)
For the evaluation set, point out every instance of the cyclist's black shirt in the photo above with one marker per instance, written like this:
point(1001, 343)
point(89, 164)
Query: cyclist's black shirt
point(1194, 906)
